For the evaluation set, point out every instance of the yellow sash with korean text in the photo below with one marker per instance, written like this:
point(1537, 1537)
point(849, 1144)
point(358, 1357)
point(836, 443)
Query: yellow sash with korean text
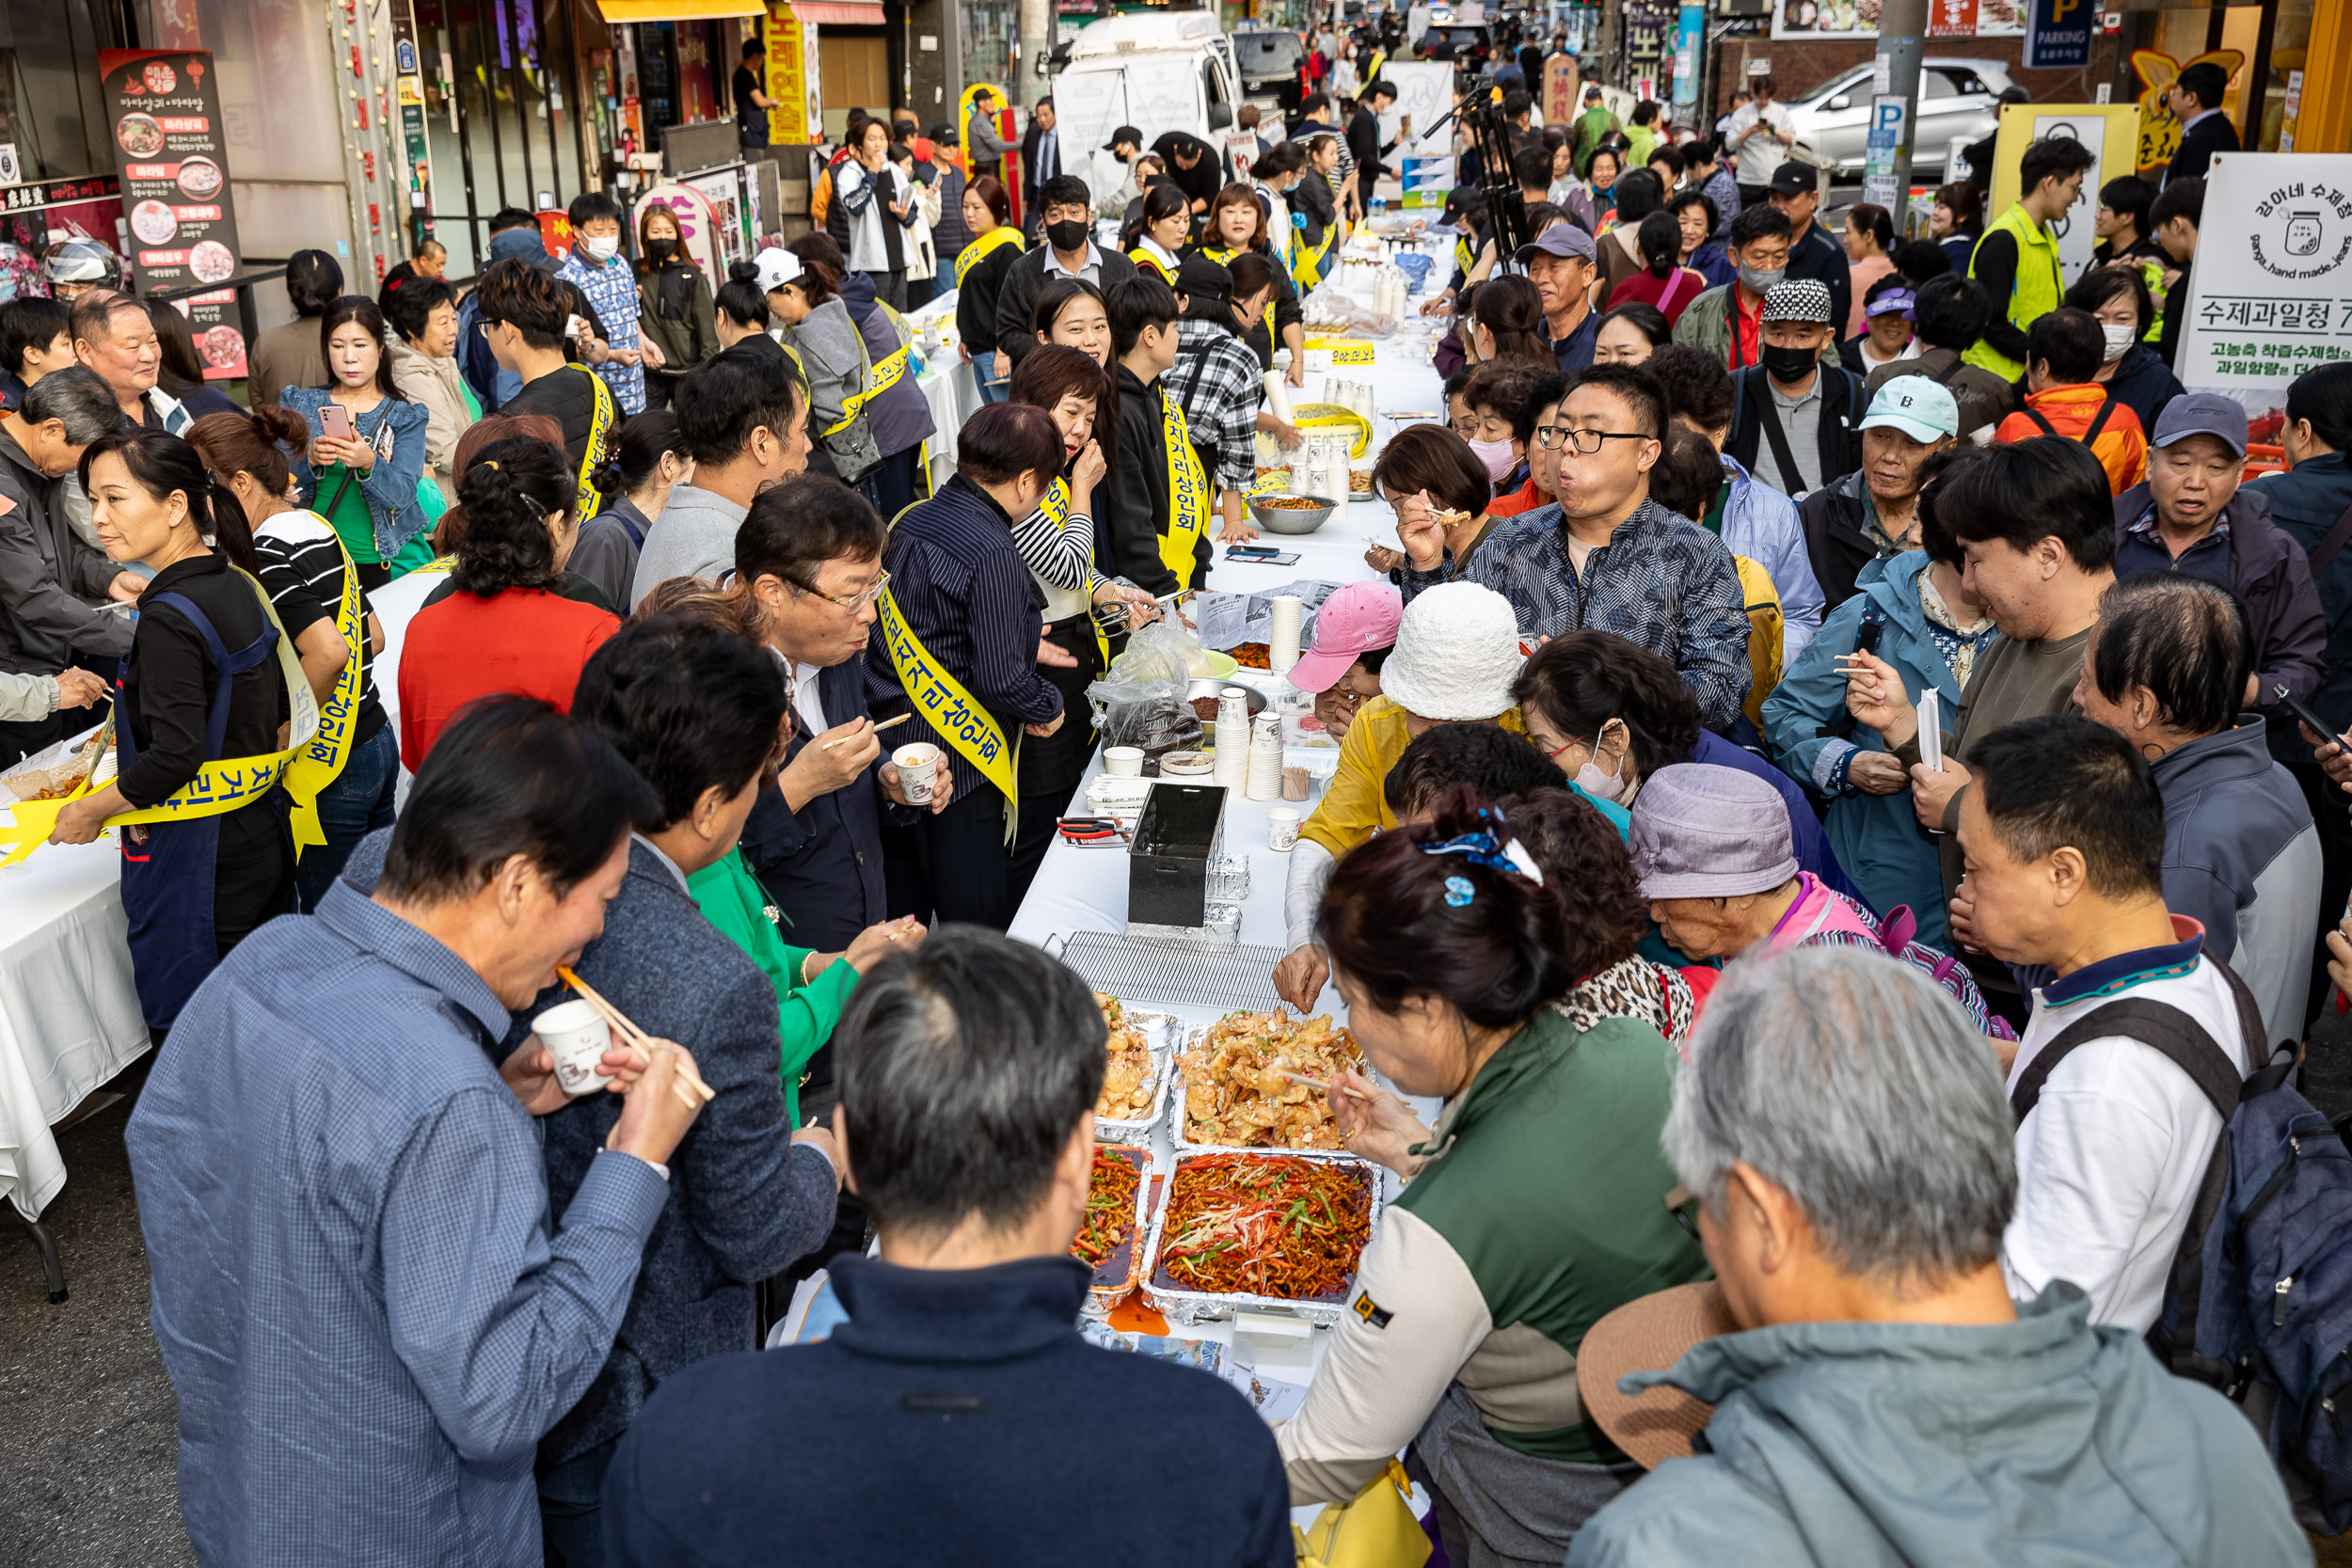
point(1055, 503)
point(586, 498)
point(321, 762)
point(941, 701)
point(1188, 493)
point(982, 249)
point(217, 788)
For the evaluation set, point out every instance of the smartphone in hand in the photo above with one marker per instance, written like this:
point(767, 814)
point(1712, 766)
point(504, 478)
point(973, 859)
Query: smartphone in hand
point(334, 420)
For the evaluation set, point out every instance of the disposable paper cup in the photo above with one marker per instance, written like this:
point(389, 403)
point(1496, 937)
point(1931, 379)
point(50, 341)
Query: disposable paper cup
point(577, 1036)
point(1281, 830)
point(1123, 762)
point(918, 765)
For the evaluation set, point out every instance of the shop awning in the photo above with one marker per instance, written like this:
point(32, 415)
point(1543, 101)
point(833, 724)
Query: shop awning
point(681, 11)
point(840, 13)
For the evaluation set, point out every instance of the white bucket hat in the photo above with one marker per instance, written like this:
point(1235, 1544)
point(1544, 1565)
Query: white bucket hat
point(1457, 652)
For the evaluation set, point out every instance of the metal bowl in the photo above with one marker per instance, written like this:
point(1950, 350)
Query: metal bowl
point(1278, 519)
point(1210, 686)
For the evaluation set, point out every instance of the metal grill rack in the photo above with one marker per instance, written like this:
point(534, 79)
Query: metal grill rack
point(1143, 972)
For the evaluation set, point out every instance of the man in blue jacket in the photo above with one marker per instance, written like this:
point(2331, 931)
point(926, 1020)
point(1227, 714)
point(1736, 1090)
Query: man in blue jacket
point(694, 711)
point(958, 1416)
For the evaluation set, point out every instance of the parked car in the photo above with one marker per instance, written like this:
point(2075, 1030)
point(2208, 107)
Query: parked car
point(1273, 65)
point(1957, 101)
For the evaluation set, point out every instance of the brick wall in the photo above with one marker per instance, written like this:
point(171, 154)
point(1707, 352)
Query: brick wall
point(1798, 68)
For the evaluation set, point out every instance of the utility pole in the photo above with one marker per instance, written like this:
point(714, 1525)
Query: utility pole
point(1893, 107)
point(1035, 43)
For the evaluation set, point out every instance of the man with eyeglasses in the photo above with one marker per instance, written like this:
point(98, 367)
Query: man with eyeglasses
point(1604, 555)
point(745, 423)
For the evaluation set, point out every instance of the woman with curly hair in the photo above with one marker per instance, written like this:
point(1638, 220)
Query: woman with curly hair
point(505, 624)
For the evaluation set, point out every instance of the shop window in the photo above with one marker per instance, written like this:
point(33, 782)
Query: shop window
point(48, 101)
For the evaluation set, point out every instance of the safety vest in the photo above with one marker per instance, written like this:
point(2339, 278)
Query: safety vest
point(1149, 266)
point(987, 245)
point(2039, 289)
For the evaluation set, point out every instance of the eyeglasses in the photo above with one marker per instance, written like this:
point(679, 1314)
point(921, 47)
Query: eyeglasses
point(1680, 1202)
point(855, 602)
point(1587, 442)
point(1550, 435)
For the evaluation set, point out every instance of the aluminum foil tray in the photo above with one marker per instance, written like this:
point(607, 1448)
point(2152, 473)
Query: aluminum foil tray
point(1180, 1306)
point(1176, 1124)
point(1159, 1030)
point(1115, 1280)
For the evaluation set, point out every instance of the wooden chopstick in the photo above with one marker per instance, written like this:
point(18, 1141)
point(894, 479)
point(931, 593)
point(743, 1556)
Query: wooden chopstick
point(690, 1085)
point(1302, 1078)
point(877, 730)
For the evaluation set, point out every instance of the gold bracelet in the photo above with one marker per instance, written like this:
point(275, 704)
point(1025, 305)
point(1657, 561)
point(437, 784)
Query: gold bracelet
point(804, 963)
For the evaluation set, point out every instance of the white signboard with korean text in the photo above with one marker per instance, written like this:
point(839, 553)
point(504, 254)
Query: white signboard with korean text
point(2270, 294)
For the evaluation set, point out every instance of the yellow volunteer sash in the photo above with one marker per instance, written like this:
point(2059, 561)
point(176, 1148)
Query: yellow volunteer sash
point(219, 787)
point(941, 701)
point(320, 763)
point(879, 378)
point(982, 249)
point(1151, 265)
point(585, 500)
point(1187, 493)
point(1463, 258)
point(1309, 263)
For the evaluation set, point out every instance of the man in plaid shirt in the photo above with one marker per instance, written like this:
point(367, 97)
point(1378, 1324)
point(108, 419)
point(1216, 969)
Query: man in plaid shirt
point(1217, 383)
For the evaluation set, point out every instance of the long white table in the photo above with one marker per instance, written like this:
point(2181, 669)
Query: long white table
point(68, 1012)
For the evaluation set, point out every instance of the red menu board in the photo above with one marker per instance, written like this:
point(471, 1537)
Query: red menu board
point(163, 106)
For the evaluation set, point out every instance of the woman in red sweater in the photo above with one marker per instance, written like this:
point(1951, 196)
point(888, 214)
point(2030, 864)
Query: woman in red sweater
point(505, 626)
point(1661, 282)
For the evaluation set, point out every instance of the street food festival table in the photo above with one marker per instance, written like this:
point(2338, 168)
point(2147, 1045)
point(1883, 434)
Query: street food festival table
point(1078, 904)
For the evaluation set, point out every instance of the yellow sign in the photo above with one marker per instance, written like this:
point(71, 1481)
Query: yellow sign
point(788, 76)
point(2159, 127)
point(2109, 131)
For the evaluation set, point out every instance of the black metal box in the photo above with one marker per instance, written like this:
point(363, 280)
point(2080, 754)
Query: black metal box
point(1182, 828)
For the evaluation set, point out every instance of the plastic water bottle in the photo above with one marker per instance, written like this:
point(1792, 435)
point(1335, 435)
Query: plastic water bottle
point(1379, 206)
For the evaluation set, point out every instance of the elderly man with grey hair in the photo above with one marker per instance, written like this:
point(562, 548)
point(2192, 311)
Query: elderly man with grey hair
point(1876, 1397)
point(60, 596)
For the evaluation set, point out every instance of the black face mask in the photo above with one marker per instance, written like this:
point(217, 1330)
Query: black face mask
point(1067, 234)
point(659, 249)
point(1788, 364)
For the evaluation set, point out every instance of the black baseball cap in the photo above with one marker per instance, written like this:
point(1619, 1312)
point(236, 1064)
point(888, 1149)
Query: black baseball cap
point(1124, 134)
point(1795, 178)
point(1198, 277)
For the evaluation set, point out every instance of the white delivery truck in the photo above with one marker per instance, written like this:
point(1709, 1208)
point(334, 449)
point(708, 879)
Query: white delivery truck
point(1158, 73)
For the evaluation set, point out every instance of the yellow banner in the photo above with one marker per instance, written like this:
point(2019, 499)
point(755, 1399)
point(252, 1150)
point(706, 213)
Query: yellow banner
point(941, 701)
point(217, 788)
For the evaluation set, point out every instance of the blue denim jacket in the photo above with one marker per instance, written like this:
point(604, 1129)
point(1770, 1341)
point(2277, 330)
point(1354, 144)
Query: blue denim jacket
point(396, 427)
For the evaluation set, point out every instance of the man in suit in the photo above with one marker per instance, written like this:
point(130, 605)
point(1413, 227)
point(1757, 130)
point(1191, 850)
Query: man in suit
point(694, 711)
point(2196, 97)
point(1040, 161)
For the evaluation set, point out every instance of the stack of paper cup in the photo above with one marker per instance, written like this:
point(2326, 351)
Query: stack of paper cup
point(1232, 738)
point(1265, 759)
point(1282, 647)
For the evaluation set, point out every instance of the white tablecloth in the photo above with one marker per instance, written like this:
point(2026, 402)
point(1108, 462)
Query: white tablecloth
point(69, 1013)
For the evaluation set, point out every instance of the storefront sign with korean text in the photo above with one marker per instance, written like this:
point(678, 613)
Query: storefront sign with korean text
point(2266, 299)
point(162, 107)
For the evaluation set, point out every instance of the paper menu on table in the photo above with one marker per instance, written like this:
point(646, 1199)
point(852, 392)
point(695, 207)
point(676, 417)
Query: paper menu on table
point(1221, 620)
point(1931, 728)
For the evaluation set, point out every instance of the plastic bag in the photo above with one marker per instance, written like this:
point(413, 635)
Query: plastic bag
point(1140, 700)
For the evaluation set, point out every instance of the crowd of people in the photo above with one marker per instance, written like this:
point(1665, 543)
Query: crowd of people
point(1814, 689)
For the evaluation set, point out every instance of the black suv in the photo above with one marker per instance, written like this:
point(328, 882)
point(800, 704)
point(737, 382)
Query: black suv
point(1273, 65)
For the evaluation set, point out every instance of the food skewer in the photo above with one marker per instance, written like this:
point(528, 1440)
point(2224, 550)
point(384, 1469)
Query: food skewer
point(877, 730)
point(690, 1087)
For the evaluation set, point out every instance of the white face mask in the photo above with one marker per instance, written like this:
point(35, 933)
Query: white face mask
point(602, 246)
point(2119, 340)
point(1593, 782)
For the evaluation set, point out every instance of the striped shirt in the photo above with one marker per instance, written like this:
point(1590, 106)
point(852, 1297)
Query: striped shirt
point(302, 571)
point(1217, 380)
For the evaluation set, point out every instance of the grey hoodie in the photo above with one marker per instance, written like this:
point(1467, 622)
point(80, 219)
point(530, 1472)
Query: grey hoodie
point(2042, 1442)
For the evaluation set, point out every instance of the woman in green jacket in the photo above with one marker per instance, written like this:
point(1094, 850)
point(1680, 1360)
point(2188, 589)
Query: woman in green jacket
point(811, 987)
point(674, 306)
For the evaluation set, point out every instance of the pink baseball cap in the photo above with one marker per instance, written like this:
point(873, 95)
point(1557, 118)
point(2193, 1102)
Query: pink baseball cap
point(1354, 620)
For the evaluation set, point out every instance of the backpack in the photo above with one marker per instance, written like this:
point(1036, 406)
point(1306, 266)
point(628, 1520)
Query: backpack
point(2259, 1302)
